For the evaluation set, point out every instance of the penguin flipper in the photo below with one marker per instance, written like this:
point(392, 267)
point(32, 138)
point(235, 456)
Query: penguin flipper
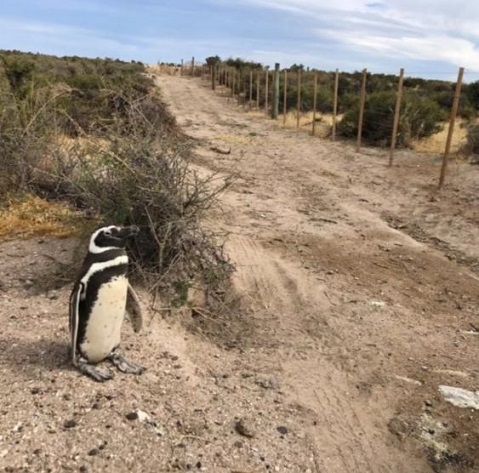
point(133, 309)
point(74, 318)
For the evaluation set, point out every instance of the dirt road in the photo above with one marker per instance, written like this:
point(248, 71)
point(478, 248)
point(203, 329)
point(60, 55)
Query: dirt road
point(359, 286)
point(360, 280)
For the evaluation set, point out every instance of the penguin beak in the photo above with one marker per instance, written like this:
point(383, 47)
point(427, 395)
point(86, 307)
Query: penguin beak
point(127, 232)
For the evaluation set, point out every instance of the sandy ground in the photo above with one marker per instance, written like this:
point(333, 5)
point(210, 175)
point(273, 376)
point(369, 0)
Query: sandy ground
point(359, 285)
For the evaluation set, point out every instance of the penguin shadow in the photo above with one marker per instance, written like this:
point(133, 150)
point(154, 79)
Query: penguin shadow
point(33, 357)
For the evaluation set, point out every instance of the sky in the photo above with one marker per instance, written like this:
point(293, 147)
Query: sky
point(429, 38)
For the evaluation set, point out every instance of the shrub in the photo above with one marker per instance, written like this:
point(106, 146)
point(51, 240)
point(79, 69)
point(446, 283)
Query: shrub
point(472, 146)
point(419, 117)
point(133, 182)
point(127, 163)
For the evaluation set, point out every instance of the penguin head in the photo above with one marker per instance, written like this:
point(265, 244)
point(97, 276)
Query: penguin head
point(111, 237)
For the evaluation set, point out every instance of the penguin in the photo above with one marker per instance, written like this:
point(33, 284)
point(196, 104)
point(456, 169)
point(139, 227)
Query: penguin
point(98, 301)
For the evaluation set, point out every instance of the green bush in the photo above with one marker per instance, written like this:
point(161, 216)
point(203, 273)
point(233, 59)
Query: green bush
point(472, 146)
point(419, 117)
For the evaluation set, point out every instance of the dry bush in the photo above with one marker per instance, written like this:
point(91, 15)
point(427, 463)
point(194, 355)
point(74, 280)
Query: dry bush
point(127, 164)
point(156, 190)
point(472, 146)
point(144, 178)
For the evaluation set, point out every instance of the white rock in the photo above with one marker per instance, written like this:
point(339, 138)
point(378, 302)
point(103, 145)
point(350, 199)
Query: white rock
point(142, 416)
point(460, 397)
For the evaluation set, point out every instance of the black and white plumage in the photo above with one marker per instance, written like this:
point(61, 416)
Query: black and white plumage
point(98, 301)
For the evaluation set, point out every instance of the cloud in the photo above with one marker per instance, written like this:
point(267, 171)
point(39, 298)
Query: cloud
point(439, 30)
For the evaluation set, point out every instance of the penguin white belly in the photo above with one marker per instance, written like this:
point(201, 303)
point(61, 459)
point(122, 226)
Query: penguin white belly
point(103, 330)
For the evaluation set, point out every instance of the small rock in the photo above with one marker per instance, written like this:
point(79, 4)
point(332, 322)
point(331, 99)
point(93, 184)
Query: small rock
point(142, 416)
point(244, 428)
point(132, 415)
point(271, 383)
point(282, 430)
point(18, 427)
point(103, 445)
point(69, 424)
point(53, 295)
point(93, 452)
point(460, 397)
point(28, 284)
point(35, 390)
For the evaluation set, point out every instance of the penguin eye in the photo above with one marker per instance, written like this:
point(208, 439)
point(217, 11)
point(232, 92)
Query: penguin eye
point(107, 232)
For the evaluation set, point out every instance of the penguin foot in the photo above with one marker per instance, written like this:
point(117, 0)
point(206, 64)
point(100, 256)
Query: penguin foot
point(124, 365)
point(98, 374)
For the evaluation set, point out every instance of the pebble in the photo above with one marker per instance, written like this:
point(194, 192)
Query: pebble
point(271, 383)
point(69, 424)
point(93, 452)
point(53, 295)
point(282, 429)
point(132, 415)
point(244, 428)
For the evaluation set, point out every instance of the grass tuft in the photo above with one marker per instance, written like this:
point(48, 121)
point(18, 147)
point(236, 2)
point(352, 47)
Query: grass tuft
point(30, 216)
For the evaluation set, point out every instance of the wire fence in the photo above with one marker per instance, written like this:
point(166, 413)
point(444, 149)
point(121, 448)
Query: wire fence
point(387, 110)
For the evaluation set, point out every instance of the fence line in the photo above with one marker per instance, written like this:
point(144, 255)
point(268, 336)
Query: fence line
point(268, 98)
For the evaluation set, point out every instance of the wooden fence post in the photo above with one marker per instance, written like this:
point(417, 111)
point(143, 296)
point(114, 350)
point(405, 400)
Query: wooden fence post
point(250, 87)
point(361, 109)
point(213, 78)
point(335, 104)
point(266, 91)
point(298, 111)
point(227, 78)
point(257, 89)
point(275, 110)
point(315, 100)
point(181, 68)
point(233, 84)
point(397, 111)
point(285, 96)
point(450, 131)
point(193, 66)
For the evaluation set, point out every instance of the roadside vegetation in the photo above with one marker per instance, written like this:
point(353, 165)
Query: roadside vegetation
point(426, 104)
point(89, 141)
